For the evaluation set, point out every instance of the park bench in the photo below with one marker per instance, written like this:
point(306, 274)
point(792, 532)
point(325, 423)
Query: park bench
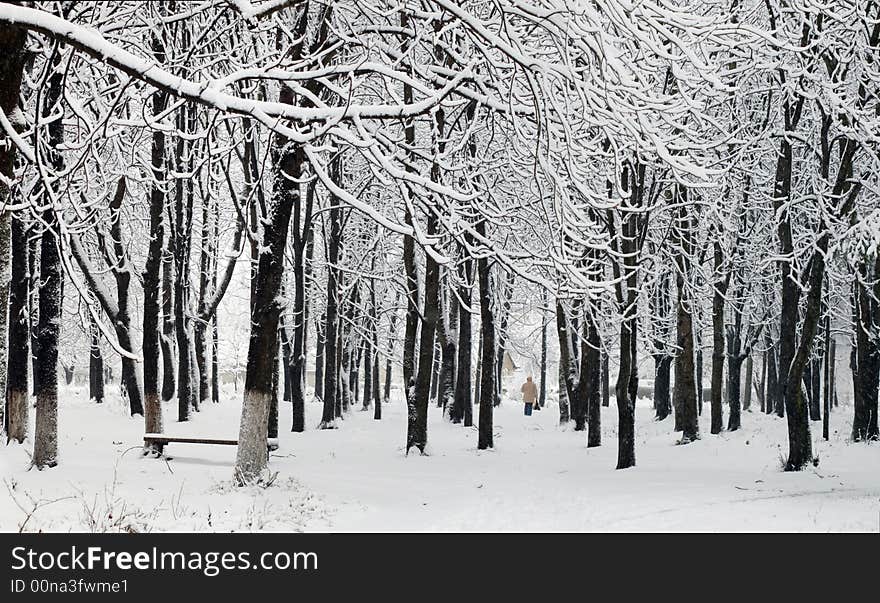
point(162, 440)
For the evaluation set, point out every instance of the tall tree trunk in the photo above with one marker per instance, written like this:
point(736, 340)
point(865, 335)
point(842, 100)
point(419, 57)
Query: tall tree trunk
point(392, 337)
point(150, 343)
point(34, 239)
point(660, 308)
point(685, 391)
point(272, 427)
point(48, 329)
point(96, 366)
point(487, 375)
point(19, 361)
point(734, 367)
point(747, 387)
point(331, 328)
point(200, 327)
point(287, 162)
point(815, 388)
point(367, 398)
point(409, 262)
point(567, 400)
point(286, 358)
point(542, 392)
point(462, 407)
point(51, 291)
point(435, 371)
point(826, 379)
point(662, 379)
point(183, 208)
point(866, 370)
point(166, 339)
point(606, 380)
point(319, 356)
point(13, 253)
point(591, 374)
point(373, 358)
point(718, 343)
point(302, 235)
point(446, 379)
point(774, 402)
point(417, 400)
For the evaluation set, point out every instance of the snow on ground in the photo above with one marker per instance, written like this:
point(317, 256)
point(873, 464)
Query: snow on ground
point(539, 477)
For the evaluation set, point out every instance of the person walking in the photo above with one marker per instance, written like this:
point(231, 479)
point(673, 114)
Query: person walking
point(530, 395)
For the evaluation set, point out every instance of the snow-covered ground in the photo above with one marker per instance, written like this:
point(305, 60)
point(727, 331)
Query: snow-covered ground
point(356, 478)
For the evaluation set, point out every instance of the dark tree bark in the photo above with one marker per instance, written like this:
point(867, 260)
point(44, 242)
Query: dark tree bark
point(19, 334)
point(567, 400)
point(662, 379)
point(367, 398)
point(302, 234)
point(331, 377)
point(606, 380)
point(48, 329)
point(166, 340)
point(96, 366)
point(827, 380)
point(626, 274)
point(286, 358)
point(187, 392)
point(685, 391)
point(478, 370)
point(734, 392)
point(462, 407)
point(50, 291)
point(417, 400)
point(718, 344)
point(866, 368)
point(542, 392)
point(272, 428)
point(698, 344)
point(409, 260)
point(591, 375)
point(319, 356)
point(660, 309)
point(14, 325)
point(487, 375)
point(373, 357)
point(34, 297)
point(435, 369)
point(814, 375)
point(446, 335)
point(774, 403)
point(747, 387)
point(347, 355)
point(215, 362)
point(200, 327)
point(392, 337)
point(150, 343)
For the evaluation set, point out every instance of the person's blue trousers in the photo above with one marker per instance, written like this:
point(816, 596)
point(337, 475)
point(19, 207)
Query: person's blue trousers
point(528, 409)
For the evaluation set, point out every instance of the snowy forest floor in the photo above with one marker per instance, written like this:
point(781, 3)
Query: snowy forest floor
point(539, 477)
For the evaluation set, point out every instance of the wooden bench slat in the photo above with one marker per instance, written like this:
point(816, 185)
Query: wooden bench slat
point(183, 440)
point(164, 439)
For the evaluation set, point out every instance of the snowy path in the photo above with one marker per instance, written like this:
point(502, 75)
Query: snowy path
point(356, 478)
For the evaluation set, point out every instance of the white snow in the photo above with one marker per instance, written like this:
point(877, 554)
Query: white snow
point(356, 478)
